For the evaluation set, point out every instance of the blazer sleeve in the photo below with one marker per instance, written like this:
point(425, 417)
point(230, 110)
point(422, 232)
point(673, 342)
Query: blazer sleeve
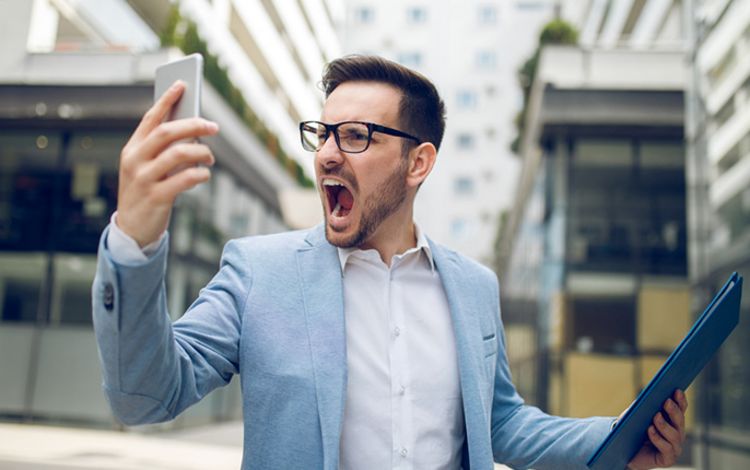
point(525, 437)
point(154, 369)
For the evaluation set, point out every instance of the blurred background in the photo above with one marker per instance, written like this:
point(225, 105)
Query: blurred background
point(597, 157)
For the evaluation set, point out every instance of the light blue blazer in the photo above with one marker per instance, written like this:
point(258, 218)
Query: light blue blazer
point(274, 314)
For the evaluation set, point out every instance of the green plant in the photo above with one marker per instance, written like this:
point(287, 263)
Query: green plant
point(182, 33)
point(557, 31)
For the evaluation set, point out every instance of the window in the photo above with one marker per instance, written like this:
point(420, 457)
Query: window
point(465, 141)
point(466, 99)
point(463, 186)
point(416, 15)
point(410, 59)
point(487, 15)
point(486, 60)
point(364, 15)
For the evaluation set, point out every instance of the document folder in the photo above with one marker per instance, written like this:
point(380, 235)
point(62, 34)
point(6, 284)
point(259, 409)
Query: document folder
point(683, 365)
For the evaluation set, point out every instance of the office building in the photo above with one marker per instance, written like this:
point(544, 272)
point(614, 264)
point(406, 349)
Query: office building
point(75, 78)
point(593, 259)
point(718, 136)
point(471, 51)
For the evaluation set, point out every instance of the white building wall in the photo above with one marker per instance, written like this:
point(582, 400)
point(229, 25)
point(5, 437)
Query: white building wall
point(471, 51)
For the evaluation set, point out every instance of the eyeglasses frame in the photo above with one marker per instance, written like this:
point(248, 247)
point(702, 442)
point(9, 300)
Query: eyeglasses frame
point(334, 128)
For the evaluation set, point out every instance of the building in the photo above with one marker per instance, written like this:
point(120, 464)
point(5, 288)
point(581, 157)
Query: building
point(718, 135)
point(75, 78)
point(593, 258)
point(471, 51)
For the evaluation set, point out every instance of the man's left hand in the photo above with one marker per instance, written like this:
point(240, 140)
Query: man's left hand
point(666, 435)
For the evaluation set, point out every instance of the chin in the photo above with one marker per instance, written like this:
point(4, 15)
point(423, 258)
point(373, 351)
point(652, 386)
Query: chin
point(346, 239)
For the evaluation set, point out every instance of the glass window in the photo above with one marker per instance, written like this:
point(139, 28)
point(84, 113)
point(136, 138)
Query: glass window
point(458, 227)
point(71, 290)
point(466, 99)
point(606, 153)
point(28, 179)
point(487, 15)
point(22, 278)
point(410, 59)
point(364, 15)
point(627, 214)
point(416, 15)
point(463, 186)
point(486, 60)
point(465, 141)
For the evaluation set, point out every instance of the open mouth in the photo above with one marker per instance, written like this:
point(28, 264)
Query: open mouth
point(340, 199)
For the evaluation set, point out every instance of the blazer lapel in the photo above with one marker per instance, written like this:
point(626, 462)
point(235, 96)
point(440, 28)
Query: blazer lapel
point(322, 289)
point(459, 291)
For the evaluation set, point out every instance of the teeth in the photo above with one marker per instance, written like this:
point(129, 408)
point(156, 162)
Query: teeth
point(329, 182)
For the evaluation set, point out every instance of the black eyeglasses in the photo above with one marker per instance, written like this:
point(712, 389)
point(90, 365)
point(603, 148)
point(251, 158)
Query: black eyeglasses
point(351, 136)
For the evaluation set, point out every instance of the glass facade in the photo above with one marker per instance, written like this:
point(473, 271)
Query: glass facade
point(627, 207)
point(58, 189)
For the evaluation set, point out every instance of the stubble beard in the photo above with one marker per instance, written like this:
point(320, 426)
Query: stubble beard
point(387, 198)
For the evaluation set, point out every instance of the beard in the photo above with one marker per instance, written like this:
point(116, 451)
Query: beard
point(384, 201)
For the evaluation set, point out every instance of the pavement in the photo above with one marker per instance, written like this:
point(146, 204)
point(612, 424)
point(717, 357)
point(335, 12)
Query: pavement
point(33, 447)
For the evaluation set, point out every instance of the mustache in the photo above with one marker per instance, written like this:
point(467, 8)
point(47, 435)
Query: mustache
point(342, 174)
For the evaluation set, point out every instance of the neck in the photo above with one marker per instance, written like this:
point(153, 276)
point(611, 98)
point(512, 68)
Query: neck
point(394, 236)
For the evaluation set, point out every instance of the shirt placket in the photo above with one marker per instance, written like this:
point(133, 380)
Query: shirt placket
point(402, 456)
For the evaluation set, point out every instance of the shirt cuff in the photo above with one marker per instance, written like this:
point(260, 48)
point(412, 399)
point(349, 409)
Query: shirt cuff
point(124, 249)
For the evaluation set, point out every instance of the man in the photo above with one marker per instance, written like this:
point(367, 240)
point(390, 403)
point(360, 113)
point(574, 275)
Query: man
point(360, 344)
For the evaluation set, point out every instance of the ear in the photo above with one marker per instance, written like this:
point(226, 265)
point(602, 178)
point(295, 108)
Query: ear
point(421, 160)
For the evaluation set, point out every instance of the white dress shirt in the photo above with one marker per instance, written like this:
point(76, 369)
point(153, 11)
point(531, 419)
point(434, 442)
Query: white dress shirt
point(403, 401)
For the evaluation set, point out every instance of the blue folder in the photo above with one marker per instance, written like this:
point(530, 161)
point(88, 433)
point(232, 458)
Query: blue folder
point(683, 365)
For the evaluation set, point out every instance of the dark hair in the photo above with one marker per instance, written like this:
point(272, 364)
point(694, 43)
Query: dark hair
point(421, 111)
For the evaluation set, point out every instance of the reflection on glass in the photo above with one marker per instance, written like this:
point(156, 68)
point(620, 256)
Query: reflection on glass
point(21, 281)
point(71, 289)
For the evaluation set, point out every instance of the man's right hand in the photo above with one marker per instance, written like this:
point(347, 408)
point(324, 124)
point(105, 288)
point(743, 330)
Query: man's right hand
point(148, 182)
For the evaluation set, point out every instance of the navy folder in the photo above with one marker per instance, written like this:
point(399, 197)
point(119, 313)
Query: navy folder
point(683, 365)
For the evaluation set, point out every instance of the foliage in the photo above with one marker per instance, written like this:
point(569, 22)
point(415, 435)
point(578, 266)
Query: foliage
point(183, 34)
point(556, 31)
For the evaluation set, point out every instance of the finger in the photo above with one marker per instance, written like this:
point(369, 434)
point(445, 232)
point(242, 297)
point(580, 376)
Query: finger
point(669, 433)
point(681, 399)
point(676, 416)
point(177, 155)
point(155, 115)
point(666, 450)
point(169, 133)
point(168, 189)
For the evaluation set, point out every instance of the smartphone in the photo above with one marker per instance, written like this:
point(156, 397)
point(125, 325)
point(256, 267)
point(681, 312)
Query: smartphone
point(189, 69)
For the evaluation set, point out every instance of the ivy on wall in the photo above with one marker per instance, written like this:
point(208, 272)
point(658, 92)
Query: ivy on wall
point(182, 33)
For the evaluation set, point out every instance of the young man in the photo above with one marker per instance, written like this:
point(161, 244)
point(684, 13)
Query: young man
point(360, 343)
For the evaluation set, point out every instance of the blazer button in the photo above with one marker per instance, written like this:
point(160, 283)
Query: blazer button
point(109, 297)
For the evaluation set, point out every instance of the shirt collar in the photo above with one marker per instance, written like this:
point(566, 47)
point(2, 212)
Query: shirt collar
point(422, 245)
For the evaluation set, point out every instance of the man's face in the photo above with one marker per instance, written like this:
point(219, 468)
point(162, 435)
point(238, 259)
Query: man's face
point(360, 191)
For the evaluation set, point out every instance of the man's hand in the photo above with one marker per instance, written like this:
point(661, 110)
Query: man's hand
point(149, 180)
point(665, 436)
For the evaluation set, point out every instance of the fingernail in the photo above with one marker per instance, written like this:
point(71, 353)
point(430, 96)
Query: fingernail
point(177, 84)
point(212, 126)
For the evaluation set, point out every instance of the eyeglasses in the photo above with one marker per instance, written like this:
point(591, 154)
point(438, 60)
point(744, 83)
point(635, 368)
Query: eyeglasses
point(351, 136)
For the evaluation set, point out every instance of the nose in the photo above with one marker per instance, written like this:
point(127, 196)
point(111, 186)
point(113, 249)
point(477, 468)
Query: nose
point(329, 155)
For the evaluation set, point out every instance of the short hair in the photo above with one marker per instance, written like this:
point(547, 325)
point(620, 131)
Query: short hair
point(421, 110)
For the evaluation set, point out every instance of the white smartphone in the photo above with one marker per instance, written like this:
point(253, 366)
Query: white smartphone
point(189, 69)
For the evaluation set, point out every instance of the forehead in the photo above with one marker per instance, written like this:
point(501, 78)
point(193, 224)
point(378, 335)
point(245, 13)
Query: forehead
point(363, 101)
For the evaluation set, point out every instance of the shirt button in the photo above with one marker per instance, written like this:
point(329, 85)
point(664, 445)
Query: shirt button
point(404, 452)
point(397, 331)
point(402, 390)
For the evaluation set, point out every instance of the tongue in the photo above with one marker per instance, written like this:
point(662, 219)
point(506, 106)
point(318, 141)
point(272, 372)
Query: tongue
point(345, 199)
